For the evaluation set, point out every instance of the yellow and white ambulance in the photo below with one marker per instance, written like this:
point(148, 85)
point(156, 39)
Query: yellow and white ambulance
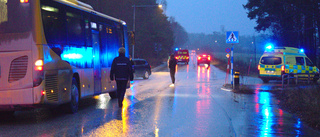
point(283, 60)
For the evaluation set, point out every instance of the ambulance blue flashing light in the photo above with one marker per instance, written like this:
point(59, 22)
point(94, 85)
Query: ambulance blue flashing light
point(301, 51)
point(269, 47)
point(177, 49)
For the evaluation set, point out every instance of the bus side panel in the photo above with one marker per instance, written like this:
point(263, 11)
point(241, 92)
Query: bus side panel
point(86, 82)
point(105, 80)
point(16, 97)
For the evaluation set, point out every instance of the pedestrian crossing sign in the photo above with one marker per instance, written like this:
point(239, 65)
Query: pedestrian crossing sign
point(232, 37)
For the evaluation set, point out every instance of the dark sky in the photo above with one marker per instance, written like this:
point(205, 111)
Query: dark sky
point(206, 16)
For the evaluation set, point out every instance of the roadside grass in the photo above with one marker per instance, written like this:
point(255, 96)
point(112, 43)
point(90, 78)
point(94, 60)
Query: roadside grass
point(304, 102)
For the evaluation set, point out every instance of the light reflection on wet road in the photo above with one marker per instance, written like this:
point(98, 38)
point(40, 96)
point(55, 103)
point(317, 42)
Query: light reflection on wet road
point(196, 106)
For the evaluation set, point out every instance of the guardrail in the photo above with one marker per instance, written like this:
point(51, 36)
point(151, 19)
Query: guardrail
point(296, 77)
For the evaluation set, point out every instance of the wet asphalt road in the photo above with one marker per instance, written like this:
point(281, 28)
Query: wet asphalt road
point(196, 106)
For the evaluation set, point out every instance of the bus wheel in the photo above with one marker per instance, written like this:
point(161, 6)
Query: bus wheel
point(146, 75)
point(74, 103)
point(113, 95)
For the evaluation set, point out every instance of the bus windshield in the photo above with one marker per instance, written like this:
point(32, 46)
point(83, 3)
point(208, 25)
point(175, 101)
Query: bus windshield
point(15, 16)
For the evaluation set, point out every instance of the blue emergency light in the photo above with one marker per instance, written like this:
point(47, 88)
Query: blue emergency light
point(301, 50)
point(269, 47)
point(177, 49)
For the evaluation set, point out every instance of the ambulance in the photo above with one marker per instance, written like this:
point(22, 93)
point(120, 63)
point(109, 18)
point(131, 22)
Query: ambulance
point(277, 61)
point(182, 55)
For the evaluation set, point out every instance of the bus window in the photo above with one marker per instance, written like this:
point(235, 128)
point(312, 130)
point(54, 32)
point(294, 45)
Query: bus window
point(54, 24)
point(88, 35)
point(75, 25)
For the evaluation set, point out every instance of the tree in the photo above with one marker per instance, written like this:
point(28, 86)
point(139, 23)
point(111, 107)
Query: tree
point(292, 22)
point(153, 32)
point(180, 34)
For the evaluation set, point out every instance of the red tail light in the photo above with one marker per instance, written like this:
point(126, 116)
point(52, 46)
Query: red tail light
point(282, 68)
point(24, 1)
point(177, 57)
point(209, 58)
point(38, 73)
point(258, 67)
point(38, 65)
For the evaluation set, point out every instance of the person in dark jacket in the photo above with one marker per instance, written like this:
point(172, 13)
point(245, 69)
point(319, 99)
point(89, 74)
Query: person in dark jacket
point(172, 67)
point(121, 71)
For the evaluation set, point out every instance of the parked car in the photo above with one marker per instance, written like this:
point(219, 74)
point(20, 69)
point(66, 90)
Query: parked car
point(204, 59)
point(141, 68)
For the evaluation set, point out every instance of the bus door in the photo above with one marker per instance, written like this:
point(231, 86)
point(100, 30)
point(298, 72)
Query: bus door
point(96, 62)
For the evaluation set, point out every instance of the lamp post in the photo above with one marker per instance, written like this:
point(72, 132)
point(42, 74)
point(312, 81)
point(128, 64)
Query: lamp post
point(134, 20)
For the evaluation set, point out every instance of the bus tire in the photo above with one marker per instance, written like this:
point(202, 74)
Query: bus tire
point(74, 102)
point(113, 95)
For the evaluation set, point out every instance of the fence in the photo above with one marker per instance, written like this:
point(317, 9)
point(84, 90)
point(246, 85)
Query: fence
point(296, 77)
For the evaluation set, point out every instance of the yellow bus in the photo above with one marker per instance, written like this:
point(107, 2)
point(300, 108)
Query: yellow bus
point(55, 52)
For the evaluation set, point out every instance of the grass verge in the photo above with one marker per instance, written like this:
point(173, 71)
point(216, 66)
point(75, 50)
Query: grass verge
point(304, 102)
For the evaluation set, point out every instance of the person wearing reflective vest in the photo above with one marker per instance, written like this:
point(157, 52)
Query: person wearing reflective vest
point(121, 71)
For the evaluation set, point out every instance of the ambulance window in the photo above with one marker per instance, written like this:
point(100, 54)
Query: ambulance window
point(300, 60)
point(271, 60)
point(308, 62)
point(290, 60)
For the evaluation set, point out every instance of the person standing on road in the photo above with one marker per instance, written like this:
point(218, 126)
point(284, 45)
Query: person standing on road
point(121, 71)
point(172, 66)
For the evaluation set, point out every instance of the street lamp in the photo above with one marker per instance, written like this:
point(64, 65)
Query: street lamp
point(134, 20)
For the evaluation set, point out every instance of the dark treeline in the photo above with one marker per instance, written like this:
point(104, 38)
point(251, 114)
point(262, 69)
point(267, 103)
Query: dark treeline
point(216, 43)
point(155, 33)
point(294, 23)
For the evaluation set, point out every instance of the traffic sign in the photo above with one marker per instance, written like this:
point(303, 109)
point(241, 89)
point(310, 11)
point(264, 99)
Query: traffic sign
point(232, 37)
point(228, 50)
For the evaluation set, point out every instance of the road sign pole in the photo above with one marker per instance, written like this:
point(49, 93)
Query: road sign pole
point(232, 64)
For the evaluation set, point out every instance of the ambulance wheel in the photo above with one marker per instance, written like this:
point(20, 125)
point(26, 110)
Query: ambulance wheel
point(316, 78)
point(265, 80)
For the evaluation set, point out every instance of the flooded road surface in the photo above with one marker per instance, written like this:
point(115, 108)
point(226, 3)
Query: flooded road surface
point(196, 106)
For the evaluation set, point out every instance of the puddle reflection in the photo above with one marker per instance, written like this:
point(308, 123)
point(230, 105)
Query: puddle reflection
point(203, 73)
point(271, 121)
